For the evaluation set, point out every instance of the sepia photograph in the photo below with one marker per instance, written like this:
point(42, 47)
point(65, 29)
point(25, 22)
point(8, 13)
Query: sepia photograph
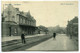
point(39, 26)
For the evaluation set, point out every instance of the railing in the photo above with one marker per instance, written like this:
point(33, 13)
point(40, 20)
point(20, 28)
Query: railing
point(25, 24)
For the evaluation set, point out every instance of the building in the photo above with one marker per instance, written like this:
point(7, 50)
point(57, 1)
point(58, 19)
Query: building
point(14, 22)
point(72, 27)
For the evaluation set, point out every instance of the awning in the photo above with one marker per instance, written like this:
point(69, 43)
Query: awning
point(27, 25)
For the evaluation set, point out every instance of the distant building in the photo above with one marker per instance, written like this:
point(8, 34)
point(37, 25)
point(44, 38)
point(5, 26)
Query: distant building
point(41, 30)
point(14, 22)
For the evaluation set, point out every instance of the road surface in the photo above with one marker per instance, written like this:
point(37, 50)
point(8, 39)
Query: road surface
point(62, 42)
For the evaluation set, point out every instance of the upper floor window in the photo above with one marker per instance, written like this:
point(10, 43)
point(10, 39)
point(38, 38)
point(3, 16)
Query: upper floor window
point(13, 16)
point(9, 12)
point(28, 22)
point(20, 20)
point(15, 30)
point(23, 20)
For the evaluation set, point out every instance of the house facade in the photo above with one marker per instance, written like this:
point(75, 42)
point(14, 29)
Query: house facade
point(72, 27)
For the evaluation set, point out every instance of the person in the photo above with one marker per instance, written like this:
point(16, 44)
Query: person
point(54, 35)
point(23, 38)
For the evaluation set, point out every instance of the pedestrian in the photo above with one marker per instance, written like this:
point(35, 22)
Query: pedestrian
point(54, 35)
point(23, 38)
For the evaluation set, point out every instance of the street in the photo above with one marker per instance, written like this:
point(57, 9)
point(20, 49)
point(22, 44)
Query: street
point(42, 43)
point(62, 42)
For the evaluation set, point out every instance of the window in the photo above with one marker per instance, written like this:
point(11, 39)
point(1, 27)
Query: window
point(3, 19)
point(9, 12)
point(13, 16)
point(20, 20)
point(23, 20)
point(27, 22)
point(30, 22)
point(15, 31)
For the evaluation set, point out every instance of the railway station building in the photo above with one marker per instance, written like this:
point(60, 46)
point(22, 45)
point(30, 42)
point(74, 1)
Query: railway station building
point(14, 22)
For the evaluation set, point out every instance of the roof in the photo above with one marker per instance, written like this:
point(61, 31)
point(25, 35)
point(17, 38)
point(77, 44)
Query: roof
point(25, 14)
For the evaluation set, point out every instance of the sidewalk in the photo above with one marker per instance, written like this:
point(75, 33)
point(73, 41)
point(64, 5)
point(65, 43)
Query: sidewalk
point(18, 37)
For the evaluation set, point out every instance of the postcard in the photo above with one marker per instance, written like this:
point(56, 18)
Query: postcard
point(39, 26)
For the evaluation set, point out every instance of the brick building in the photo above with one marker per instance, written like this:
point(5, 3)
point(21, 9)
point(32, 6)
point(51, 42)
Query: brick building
point(14, 22)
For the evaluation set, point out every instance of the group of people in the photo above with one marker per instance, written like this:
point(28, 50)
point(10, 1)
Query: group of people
point(23, 37)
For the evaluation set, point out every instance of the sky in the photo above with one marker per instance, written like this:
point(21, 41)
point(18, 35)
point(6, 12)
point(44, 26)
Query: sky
point(48, 13)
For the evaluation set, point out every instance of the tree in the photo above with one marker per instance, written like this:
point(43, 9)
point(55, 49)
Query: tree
point(43, 28)
point(57, 29)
